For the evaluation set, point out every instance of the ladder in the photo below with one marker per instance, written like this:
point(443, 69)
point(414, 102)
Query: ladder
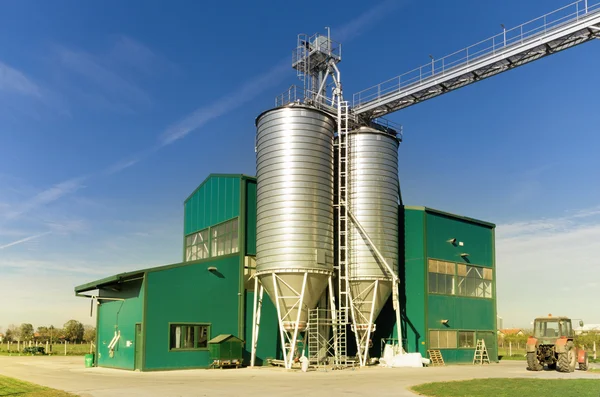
point(481, 354)
point(436, 357)
point(313, 337)
point(343, 299)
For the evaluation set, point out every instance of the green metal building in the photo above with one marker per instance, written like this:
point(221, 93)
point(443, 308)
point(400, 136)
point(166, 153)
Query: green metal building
point(448, 290)
point(162, 318)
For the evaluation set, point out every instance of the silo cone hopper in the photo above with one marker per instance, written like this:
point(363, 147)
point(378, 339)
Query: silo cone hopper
point(293, 294)
point(368, 298)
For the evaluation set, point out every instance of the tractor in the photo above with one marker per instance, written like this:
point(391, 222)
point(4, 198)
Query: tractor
point(552, 344)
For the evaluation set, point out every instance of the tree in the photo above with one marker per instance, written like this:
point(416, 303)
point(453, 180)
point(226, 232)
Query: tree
point(73, 330)
point(43, 334)
point(89, 333)
point(14, 332)
point(26, 332)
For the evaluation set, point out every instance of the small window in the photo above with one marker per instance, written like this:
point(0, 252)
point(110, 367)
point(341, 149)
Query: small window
point(442, 339)
point(466, 339)
point(188, 336)
point(225, 238)
point(441, 277)
point(196, 246)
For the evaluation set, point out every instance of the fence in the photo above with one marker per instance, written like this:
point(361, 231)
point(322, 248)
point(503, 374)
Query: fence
point(66, 349)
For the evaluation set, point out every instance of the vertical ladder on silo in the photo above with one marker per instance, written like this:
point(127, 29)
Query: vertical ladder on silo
point(313, 336)
point(343, 301)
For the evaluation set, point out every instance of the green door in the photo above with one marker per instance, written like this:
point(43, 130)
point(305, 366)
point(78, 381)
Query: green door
point(490, 344)
point(139, 346)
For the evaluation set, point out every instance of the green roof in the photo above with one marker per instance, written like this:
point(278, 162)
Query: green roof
point(450, 215)
point(117, 278)
point(223, 338)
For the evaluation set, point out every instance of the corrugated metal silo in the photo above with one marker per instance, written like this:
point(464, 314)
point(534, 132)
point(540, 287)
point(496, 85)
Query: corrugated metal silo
point(373, 199)
point(294, 166)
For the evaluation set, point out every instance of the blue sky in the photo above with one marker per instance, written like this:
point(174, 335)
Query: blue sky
point(112, 112)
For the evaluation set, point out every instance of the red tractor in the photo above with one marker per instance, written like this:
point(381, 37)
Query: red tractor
point(552, 344)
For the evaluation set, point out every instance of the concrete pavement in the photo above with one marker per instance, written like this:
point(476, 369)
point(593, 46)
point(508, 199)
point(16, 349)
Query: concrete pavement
point(68, 373)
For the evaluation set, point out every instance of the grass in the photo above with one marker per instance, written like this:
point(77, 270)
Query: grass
point(15, 387)
point(73, 349)
point(511, 387)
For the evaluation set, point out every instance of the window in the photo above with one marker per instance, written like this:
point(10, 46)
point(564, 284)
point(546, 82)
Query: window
point(224, 238)
point(474, 281)
point(188, 336)
point(442, 339)
point(217, 240)
point(441, 277)
point(197, 246)
point(466, 339)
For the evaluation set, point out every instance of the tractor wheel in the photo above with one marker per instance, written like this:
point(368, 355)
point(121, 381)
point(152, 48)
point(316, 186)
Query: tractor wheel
point(567, 360)
point(533, 364)
point(584, 365)
point(562, 365)
point(572, 356)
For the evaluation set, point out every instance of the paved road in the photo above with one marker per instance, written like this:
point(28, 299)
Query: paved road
point(68, 373)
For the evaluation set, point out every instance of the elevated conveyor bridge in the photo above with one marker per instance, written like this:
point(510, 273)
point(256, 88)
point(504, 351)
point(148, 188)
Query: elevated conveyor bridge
point(564, 28)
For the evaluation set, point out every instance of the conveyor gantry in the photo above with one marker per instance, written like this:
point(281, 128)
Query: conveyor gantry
point(564, 28)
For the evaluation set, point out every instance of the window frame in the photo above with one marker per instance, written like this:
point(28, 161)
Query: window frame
point(483, 281)
point(429, 344)
point(224, 234)
point(473, 332)
point(437, 273)
point(188, 324)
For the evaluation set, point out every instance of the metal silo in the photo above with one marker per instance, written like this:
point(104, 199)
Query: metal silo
point(373, 201)
point(294, 241)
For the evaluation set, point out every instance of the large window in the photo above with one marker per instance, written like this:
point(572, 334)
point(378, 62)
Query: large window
point(197, 246)
point(224, 238)
point(442, 339)
point(474, 281)
point(441, 277)
point(466, 339)
point(188, 336)
point(217, 240)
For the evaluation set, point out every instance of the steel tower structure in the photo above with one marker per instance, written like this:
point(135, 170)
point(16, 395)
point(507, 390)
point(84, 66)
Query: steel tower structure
point(315, 60)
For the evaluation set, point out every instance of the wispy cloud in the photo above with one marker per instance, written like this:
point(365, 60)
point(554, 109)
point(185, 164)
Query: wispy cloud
point(248, 91)
point(23, 240)
point(47, 196)
point(132, 54)
point(106, 83)
point(544, 257)
point(15, 81)
point(259, 84)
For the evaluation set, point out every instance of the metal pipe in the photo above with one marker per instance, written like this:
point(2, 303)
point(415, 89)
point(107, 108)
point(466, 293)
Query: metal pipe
point(281, 331)
point(297, 324)
point(366, 352)
point(254, 330)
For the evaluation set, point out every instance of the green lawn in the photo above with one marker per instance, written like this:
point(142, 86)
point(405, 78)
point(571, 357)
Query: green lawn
point(14, 387)
point(512, 387)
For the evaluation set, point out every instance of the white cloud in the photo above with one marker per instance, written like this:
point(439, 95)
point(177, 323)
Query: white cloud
point(549, 266)
point(23, 240)
point(14, 81)
point(258, 84)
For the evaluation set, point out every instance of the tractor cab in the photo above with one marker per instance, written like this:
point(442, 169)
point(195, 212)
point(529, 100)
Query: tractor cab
point(550, 328)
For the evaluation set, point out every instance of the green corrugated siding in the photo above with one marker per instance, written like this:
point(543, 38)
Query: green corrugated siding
point(190, 294)
point(120, 316)
point(477, 240)
point(215, 201)
point(412, 277)
point(268, 338)
point(250, 217)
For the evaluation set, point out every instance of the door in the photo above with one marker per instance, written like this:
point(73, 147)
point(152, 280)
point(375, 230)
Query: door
point(138, 346)
point(490, 344)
